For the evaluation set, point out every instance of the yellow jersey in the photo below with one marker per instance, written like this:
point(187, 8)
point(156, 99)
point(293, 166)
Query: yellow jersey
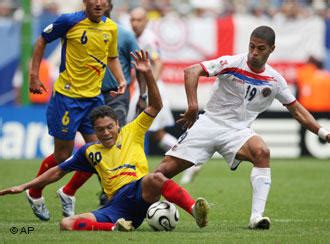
point(119, 165)
point(86, 47)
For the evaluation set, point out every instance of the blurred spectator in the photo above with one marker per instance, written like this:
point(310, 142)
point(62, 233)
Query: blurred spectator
point(314, 86)
point(7, 8)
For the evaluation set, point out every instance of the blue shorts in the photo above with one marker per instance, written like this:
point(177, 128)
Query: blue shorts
point(127, 203)
point(67, 115)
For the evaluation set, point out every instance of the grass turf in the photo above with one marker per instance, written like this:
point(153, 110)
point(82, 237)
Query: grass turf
point(298, 206)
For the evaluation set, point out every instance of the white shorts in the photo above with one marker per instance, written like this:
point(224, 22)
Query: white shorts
point(198, 144)
point(163, 119)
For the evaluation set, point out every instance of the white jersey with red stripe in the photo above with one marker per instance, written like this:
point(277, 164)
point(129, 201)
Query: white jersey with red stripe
point(242, 94)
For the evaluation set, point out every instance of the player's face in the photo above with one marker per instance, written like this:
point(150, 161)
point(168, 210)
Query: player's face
point(138, 22)
point(106, 130)
point(95, 9)
point(259, 51)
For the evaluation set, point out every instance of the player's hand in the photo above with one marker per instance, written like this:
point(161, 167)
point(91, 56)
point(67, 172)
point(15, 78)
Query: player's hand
point(188, 118)
point(12, 190)
point(121, 90)
point(36, 86)
point(141, 61)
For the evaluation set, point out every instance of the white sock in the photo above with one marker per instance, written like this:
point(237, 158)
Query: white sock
point(260, 181)
point(167, 142)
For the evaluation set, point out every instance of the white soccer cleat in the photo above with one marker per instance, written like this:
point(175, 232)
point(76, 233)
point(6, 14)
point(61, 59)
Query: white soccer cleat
point(38, 207)
point(124, 225)
point(67, 202)
point(200, 211)
point(261, 223)
point(189, 174)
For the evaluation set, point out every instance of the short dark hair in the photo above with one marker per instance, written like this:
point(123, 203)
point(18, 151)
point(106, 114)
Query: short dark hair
point(265, 33)
point(101, 112)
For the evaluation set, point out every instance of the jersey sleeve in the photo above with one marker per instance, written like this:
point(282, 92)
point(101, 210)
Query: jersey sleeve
point(78, 162)
point(113, 45)
point(139, 126)
point(57, 29)
point(284, 94)
point(215, 66)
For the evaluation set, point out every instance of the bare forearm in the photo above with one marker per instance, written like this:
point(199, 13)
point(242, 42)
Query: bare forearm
point(304, 118)
point(141, 82)
point(38, 53)
point(50, 176)
point(116, 70)
point(191, 77)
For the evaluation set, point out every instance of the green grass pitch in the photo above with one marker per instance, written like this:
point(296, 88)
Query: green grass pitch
point(298, 205)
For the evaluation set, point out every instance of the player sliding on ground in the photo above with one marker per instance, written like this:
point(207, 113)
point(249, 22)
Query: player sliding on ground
point(119, 159)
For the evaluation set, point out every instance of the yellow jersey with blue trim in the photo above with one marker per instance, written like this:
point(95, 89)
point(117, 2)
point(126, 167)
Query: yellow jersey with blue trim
point(86, 47)
point(119, 165)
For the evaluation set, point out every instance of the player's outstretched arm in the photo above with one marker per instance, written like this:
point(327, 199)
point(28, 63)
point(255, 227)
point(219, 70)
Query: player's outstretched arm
point(35, 85)
point(191, 76)
point(51, 175)
point(308, 121)
point(143, 66)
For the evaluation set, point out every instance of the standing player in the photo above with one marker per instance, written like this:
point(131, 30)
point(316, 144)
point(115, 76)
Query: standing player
point(126, 44)
point(247, 86)
point(147, 40)
point(89, 44)
point(119, 159)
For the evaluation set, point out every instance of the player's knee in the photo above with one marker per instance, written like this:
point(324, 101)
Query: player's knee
point(262, 154)
point(66, 224)
point(171, 166)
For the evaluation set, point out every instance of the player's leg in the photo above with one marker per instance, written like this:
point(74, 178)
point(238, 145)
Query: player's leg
point(84, 126)
point(256, 151)
point(156, 184)
point(67, 192)
point(88, 222)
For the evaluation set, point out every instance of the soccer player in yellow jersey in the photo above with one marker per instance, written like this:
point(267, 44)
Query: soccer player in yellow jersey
point(89, 44)
point(119, 159)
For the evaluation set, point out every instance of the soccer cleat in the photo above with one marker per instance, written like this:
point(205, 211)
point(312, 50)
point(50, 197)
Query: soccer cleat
point(200, 211)
point(261, 223)
point(123, 225)
point(189, 174)
point(38, 207)
point(67, 202)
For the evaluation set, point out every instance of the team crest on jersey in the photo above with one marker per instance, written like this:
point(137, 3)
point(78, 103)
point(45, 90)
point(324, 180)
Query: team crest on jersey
point(67, 87)
point(106, 38)
point(48, 29)
point(266, 91)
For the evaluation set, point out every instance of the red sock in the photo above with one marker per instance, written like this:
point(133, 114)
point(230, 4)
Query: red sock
point(88, 224)
point(178, 195)
point(77, 180)
point(46, 164)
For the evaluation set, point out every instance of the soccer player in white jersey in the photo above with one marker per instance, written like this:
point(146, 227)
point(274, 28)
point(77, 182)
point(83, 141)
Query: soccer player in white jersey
point(247, 86)
point(148, 41)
